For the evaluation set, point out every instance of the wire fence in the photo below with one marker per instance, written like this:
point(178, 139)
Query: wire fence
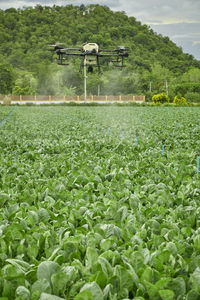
point(38, 99)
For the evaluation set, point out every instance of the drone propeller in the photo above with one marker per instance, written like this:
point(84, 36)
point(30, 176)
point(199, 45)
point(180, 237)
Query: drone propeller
point(56, 46)
point(120, 49)
point(123, 48)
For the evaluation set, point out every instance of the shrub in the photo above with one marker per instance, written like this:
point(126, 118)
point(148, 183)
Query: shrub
point(180, 100)
point(192, 97)
point(185, 87)
point(160, 98)
point(17, 90)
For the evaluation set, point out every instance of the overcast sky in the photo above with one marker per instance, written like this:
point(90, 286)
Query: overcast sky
point(178, 19)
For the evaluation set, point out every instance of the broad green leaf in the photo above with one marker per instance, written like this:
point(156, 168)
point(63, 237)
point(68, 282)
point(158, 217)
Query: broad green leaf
point(69, 248)
point(49, 200)
point(32, 250)
point(75, 289)
point(125, 276)
point(162, 283)
point(10, 272)
point(32, 218)
point(45, 296)
point(43, 215)
point(195, 280)
point(54, 254)
point(3, 199)
point(178, 286)
point(137, 260)
point(171, 247)
point(19, 264)
point(192, 295)
point(84, 295)
point(41, 285)
point(106, 244)
point(197, 242)
point(71, 273)
point(100, 278)
point(105, 265)
point(166, 294)
point(92, 257)
point(23, 293)
point(107, 291)
point(94, 289)
point(46, 269)
point(132, 272)
point(59, 282)
point(147, 275)
point(8, 289)
point(152, 291)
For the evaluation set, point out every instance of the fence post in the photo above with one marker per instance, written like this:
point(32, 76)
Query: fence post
point(35, 99)
point(92, 98)
point(106, 98)
point(133, 98)
point(49, 98)
point(20, 99)
point(120, 98)
point(78, 99)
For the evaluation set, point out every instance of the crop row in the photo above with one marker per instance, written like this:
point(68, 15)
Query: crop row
point(91, 207)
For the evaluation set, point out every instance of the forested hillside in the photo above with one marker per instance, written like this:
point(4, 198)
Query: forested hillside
point(28, 67)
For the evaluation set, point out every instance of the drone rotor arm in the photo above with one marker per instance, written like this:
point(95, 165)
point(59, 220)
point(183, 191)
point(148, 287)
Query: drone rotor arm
point(71, 49)
point(107, 50)
point(110, 55)
point(120, 49)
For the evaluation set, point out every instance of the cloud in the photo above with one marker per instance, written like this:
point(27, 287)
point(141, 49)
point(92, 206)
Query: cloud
point(185, 35)
point(24, 3)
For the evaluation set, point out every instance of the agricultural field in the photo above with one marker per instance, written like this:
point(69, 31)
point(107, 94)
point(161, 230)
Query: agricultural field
point(99, 203)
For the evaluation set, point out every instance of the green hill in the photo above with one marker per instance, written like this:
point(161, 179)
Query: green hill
point(27, 65)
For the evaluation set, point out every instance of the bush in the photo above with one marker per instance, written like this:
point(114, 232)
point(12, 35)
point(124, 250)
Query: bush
point(17, 90)
point(180, 100)
point(192, 97)
point(185, 87)
point(160, 98)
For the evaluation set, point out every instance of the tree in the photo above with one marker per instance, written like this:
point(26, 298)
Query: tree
point(26, 33)
point(25, 84)
point(6, 78)
point(192, 75)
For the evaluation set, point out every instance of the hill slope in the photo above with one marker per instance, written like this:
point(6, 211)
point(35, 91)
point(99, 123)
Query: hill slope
point(25, 35)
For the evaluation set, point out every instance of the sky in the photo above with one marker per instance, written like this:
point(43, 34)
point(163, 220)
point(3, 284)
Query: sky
point(177, 19)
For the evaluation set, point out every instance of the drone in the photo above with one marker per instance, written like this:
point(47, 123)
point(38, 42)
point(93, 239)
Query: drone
point(90, 55)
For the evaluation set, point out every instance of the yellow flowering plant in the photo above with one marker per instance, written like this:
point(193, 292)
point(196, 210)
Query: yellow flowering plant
point(160, 98)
